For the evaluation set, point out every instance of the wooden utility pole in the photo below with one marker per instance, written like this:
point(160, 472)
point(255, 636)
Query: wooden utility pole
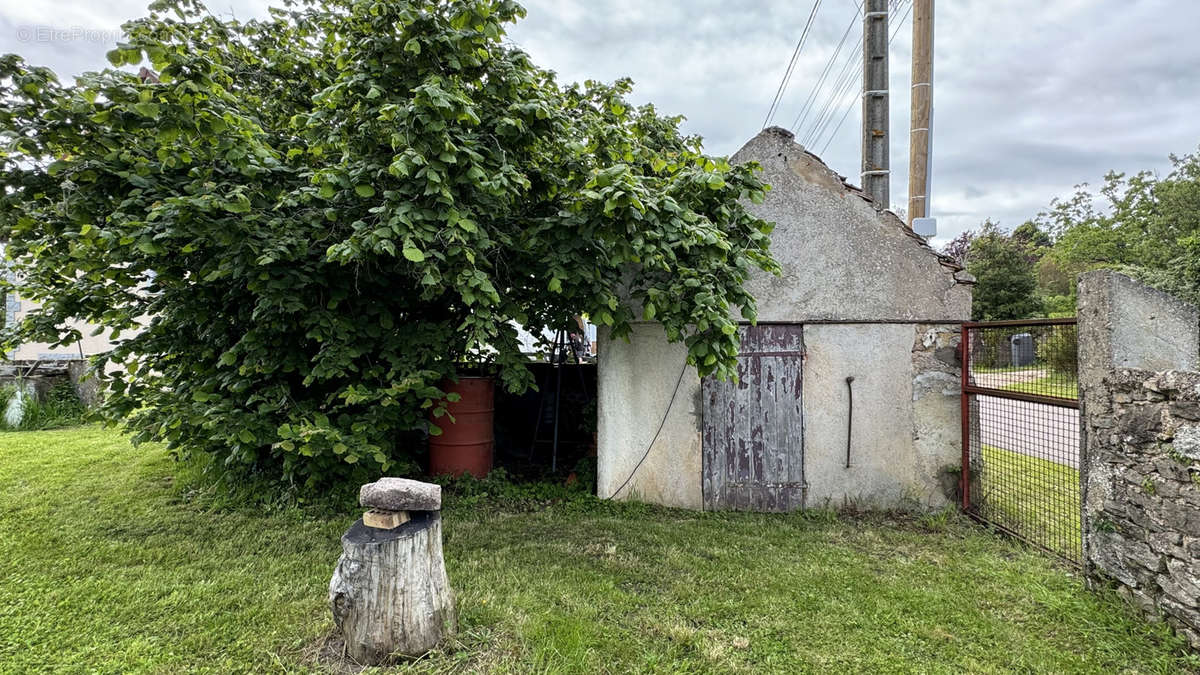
point(920, 139)
point(875, 166)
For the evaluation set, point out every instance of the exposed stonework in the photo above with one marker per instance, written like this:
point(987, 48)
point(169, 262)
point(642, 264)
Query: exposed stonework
point(1143, 494)
point(1142, 446)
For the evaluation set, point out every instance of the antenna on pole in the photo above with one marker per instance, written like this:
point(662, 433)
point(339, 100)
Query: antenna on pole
point(920, 139)
point(875, 163)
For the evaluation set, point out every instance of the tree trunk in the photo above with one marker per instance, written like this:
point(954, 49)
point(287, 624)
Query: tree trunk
point(389, 593)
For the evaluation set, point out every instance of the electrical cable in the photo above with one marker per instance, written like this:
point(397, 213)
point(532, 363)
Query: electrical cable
point(899, 25)
point(841, 86)
point(787, 75)
point(662, 424)
point(812, 95)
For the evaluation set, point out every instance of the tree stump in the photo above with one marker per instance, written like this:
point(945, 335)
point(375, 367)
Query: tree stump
point(389, 593)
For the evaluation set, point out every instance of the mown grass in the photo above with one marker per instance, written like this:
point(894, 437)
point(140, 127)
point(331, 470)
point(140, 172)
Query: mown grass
point(108, 565)
point(1054, 384)
point(1034, 497)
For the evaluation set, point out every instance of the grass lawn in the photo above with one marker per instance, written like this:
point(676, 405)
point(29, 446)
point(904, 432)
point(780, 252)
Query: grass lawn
point(1051, 385)
point(106, 566)
point(1034, 497)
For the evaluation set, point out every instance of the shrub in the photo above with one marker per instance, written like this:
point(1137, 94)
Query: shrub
point(1059, 351)
point(326, 212)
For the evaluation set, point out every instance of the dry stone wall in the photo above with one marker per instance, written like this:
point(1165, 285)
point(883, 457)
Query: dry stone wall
point(1143, 497)
point(1139, 353)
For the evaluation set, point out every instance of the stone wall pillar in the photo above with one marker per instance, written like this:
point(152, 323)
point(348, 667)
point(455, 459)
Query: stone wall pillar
point(1139, 351)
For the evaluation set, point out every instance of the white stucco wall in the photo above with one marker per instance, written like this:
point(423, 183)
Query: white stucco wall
point(635, 387)
point(876, 303)
point(842, 260)
point(882, 454)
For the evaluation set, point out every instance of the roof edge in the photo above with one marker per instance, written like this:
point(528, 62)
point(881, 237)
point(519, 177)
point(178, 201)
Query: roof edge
point(887, 216)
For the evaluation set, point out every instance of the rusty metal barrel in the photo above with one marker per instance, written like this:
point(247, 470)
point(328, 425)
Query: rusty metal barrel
point(465, 445)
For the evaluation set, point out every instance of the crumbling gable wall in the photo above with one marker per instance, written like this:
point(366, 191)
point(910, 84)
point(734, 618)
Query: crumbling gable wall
point(875, 302)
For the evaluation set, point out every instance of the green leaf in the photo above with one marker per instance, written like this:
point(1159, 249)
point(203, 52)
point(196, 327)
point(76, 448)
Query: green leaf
point(555, 285)
point(364, 191)
point(246, 436)
point(240, 205)
point(149, 247)
point(413, 253)
point(413, 46)
point(147, 110)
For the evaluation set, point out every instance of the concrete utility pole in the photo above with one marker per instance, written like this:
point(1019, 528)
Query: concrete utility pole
point(875, 166)
point(921, 128)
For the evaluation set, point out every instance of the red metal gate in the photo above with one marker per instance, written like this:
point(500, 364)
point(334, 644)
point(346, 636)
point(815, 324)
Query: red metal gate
point(1020, 431)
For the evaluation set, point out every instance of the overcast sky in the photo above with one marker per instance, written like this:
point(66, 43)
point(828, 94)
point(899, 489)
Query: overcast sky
point(1031, 96)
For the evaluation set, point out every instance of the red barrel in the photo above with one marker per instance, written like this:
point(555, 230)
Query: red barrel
point(465, 445)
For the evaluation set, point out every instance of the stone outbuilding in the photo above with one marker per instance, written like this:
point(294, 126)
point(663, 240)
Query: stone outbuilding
point(849, 383)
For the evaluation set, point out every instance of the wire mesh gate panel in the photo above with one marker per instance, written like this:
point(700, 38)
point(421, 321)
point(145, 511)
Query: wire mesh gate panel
point(1021, 444)
point(753, 442)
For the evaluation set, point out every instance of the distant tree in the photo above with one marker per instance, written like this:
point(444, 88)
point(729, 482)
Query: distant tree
point(958, 247)
point(1147, 227)
point(1005, 283)
point(1036, 240)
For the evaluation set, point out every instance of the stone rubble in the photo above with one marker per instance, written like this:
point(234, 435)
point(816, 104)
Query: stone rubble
point(401, 494)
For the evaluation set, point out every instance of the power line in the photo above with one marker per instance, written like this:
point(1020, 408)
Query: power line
point(812, 96)
point(896, 32)
point(787, 75)
point(851, 76)
point(838, 91)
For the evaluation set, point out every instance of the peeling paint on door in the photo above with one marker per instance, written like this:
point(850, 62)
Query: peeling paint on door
point(754, 429)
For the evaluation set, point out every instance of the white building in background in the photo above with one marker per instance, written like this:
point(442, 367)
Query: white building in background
point(15, 310)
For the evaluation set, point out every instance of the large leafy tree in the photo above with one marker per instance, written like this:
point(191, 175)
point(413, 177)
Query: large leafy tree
point(1147, 225)
point(301, 225)
point(1005, 283)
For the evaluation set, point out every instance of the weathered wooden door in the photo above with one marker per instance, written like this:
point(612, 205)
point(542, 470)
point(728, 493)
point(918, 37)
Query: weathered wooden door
point(753, 429)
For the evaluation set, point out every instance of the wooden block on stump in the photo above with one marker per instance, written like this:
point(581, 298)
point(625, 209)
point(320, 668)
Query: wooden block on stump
point(385, 520)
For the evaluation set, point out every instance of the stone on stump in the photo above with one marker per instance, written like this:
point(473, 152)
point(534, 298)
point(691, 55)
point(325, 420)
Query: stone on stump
point(389, 593)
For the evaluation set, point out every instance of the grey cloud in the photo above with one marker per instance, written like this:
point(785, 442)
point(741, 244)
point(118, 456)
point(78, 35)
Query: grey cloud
point(1032, 97)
